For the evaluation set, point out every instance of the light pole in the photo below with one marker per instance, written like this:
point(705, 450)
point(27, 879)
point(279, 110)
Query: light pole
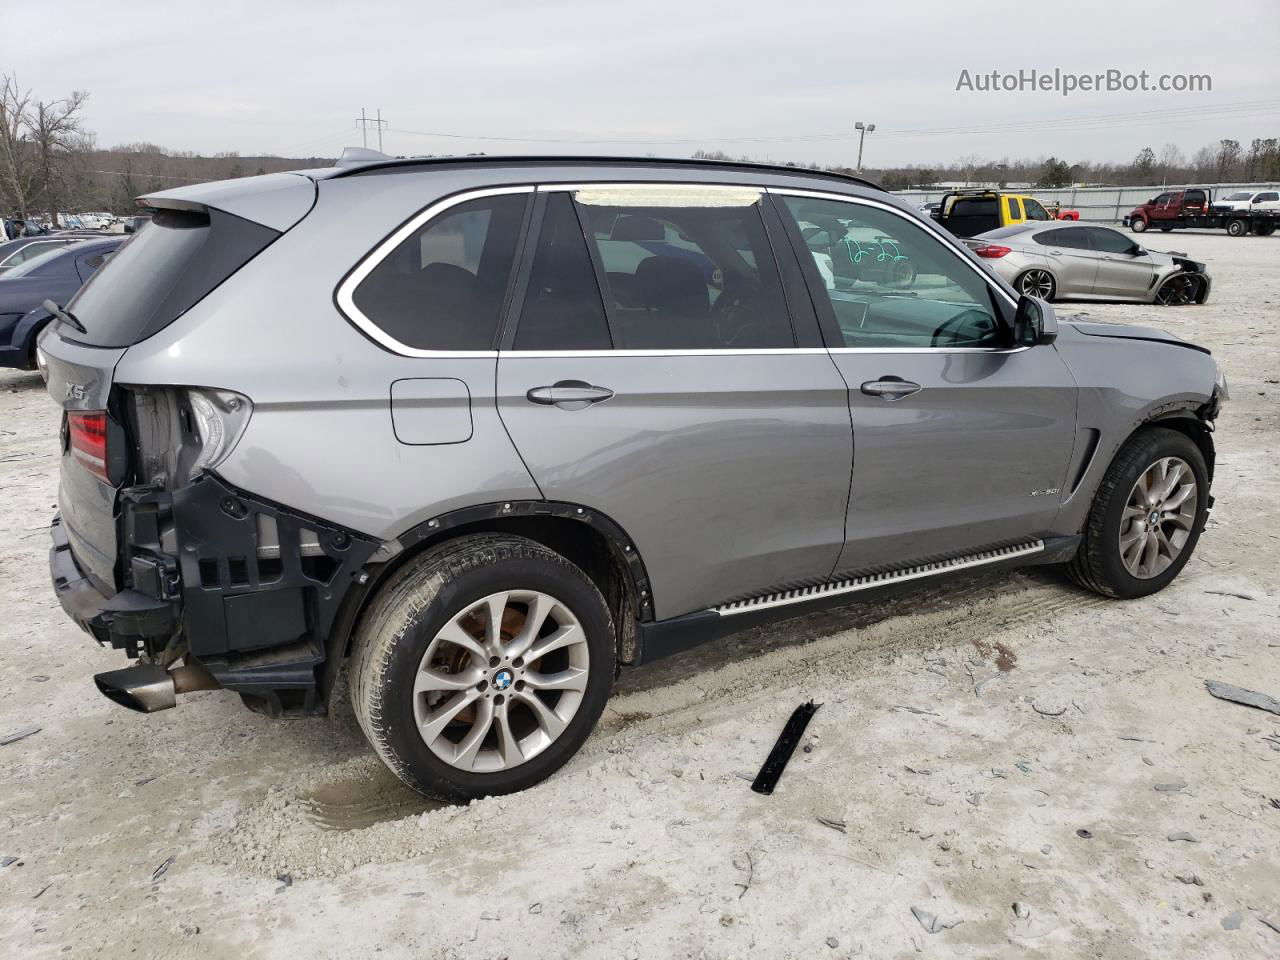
point(863, 130)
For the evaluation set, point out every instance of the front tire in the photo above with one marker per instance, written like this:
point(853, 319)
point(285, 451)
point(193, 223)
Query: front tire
point(1237, 228)
point(1146, 517)
point(1138, 225)
point(482, 668)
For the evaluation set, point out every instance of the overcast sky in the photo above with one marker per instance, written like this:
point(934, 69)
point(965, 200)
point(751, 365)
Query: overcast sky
point(662, 77)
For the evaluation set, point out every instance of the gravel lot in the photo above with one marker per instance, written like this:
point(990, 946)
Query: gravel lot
point(996, 741)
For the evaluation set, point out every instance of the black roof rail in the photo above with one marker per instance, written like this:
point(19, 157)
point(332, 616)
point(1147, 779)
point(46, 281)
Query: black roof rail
point(353, 165)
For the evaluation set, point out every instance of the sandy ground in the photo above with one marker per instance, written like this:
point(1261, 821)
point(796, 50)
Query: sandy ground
point(996, 741)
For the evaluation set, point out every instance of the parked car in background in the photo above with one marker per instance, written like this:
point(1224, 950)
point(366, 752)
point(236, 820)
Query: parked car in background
point(493, 427)
point(16, 252)
point(967, 213)
point(1057, 262)
point(54, 275)
point(1248, 200)
point(1058, 212)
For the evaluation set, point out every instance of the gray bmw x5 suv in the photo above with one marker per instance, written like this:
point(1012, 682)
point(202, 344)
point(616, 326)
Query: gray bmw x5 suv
point(490, 429)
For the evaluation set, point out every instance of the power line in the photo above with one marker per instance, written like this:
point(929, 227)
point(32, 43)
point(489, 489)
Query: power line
point(1189, 114)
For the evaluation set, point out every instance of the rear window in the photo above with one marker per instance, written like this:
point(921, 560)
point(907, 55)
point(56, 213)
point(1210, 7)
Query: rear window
point(975, 207)
point(161, 273)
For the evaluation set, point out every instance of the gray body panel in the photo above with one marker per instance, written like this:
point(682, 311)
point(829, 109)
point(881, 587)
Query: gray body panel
point(1125, 378)
point(976, 457)
point(730, 472)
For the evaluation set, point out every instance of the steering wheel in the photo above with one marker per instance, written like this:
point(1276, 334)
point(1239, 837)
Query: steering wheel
point(947, 328)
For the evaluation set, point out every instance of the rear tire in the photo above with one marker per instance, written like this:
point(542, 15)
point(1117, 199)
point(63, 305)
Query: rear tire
point(1237, 228)
point(1100, 564)
point(1037, 283)
point(446, 701)
point(1166, 229)
point(1265, 229)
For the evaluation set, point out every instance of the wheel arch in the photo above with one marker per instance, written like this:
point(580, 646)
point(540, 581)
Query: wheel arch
point(1191, 418)
point(591, 540)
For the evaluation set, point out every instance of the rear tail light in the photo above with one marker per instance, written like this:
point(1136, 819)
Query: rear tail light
point(992, 251)
point(87, 438)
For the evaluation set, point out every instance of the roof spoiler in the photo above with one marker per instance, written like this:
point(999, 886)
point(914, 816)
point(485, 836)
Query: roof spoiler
point(355, 156)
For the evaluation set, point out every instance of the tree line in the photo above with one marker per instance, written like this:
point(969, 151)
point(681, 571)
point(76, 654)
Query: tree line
point(1223, 161)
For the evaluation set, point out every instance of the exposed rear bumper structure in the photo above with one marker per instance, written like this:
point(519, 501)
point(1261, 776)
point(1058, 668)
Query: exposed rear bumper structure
point(197, 584)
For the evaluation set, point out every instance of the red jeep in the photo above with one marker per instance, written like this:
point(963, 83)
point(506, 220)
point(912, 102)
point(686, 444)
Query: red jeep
point(1169, 210)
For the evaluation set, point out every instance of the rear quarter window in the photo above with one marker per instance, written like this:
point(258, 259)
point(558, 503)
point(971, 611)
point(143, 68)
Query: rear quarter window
point(443, 286)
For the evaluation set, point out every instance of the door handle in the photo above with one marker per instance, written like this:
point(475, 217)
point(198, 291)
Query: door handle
point(569, 394)
point(1055, 253)
point(890, 388)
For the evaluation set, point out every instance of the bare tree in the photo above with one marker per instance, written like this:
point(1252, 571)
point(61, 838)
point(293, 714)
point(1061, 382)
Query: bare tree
point(17, 169)
point(58, 138)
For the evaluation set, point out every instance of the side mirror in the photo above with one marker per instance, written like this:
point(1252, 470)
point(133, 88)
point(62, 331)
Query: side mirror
point(1137, 251)
point(1034, 322)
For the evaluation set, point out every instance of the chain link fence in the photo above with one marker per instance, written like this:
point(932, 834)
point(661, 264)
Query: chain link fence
point(1100, 204)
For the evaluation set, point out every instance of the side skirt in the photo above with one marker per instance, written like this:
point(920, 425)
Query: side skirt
point(666, 637)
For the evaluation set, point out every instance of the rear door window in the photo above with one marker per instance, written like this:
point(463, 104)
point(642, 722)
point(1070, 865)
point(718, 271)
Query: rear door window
point(688, 270)
point(1074, 238)
point(443, 286)
point(562, 306)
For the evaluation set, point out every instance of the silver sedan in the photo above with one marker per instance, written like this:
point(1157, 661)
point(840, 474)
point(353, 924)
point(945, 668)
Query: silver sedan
point(1054, 261)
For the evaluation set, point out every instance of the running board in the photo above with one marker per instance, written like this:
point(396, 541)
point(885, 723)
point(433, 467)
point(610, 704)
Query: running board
point(871, 581)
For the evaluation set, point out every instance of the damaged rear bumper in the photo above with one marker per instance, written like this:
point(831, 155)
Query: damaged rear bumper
point(246, 589)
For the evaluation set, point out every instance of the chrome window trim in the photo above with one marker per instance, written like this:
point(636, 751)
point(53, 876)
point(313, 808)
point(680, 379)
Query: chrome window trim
point(345, 294)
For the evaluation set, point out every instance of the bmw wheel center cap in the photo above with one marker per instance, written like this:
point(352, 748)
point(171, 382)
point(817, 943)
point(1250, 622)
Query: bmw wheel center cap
point(502, 679)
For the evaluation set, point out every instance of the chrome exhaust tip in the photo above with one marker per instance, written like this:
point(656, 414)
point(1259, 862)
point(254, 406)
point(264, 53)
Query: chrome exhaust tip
point(148, 687)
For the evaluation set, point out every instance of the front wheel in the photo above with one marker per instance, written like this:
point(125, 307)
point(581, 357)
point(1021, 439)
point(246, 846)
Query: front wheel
point(1146, 517)
point(1237, 228)
point(1179, 290)
point(1138, 225)
point(483, 667)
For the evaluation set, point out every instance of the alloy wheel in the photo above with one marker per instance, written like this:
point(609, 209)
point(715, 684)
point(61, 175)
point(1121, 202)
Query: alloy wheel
point(1037, 283)
point(1178, 291)
point(1158, 517)
point(501, 681)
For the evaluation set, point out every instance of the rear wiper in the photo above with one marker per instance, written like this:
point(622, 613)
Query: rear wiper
point(64, 316)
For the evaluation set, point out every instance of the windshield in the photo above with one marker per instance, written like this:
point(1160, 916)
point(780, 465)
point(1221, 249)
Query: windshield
point(1240, 196)
point(34, 264)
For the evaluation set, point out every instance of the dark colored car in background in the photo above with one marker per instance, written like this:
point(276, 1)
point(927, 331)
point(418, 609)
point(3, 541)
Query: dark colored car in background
point(55, 275)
